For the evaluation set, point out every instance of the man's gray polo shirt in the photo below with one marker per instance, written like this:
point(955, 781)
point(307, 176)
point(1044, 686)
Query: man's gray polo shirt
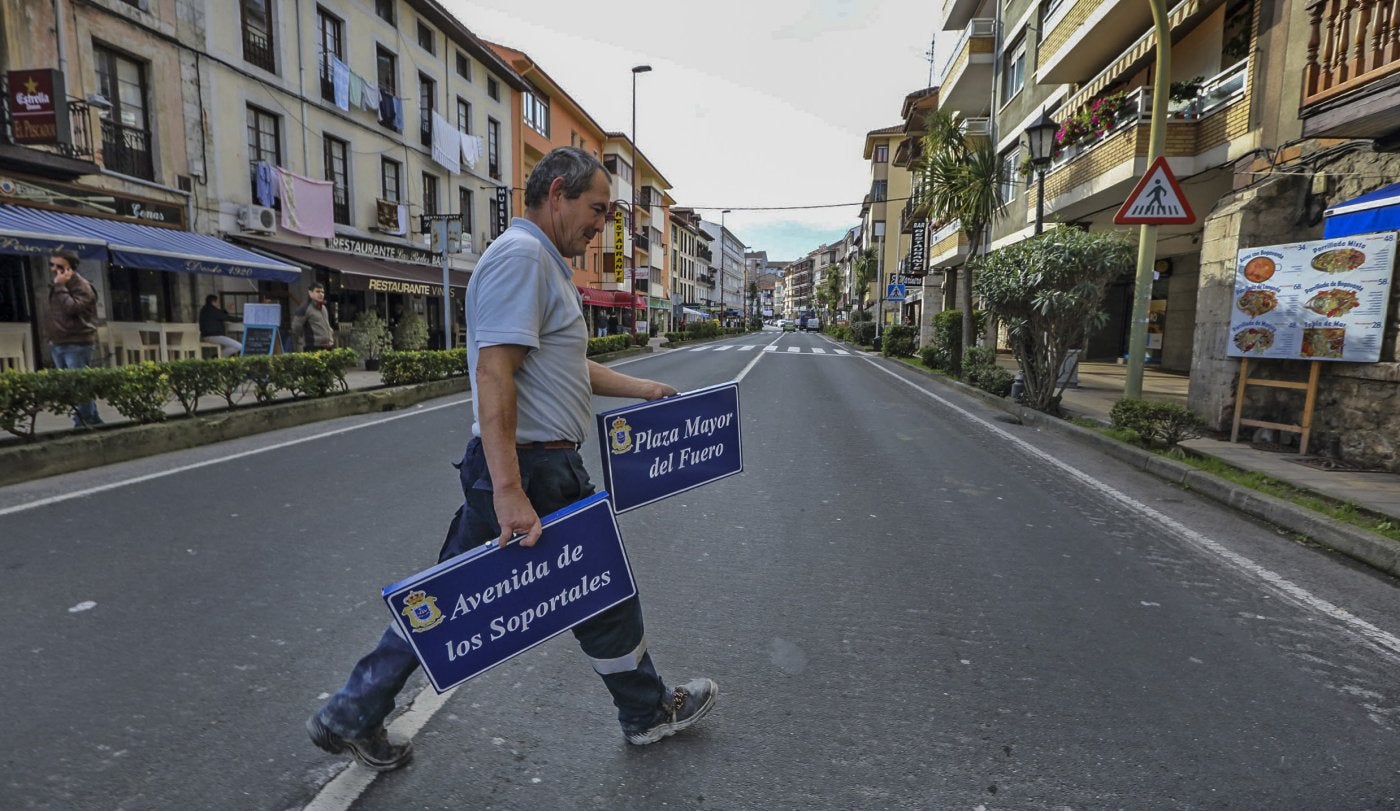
point(522, 293)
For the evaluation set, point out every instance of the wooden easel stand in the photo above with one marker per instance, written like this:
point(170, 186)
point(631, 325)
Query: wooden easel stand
point(1304, 428)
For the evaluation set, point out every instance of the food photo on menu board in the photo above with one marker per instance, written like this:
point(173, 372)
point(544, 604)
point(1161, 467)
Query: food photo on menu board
point(1320, 300)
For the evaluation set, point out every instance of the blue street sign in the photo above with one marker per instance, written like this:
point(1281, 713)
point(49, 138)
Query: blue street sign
point(894, 292)
point(657, 449)
point(468, 614)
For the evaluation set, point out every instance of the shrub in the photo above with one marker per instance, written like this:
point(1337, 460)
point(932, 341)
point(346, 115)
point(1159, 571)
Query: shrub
point(228, 374)
point(306, 374)
point(982, 371)
point(947, 338)
point(861, 315)
point(191, 380)
point(137, 392)
point(863, 333)
point(403, 368)
point(1156, 423)
point(609, 343)
point(899, 341)
point(369, 336)
point(22, 396)
point(258, 370)
point(696, 330)
point(410, 332)
point(928, 355)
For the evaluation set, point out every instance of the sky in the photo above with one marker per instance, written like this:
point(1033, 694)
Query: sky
point(749, 104)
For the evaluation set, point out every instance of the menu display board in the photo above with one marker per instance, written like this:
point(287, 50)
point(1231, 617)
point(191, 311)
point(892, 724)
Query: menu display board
point(1320, 300)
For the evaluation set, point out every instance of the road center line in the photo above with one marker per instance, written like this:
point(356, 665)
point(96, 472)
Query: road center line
point(1387, 642)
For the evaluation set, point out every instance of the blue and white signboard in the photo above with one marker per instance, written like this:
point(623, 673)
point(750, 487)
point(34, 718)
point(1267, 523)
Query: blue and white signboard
point(894, 292)
point(470, 613)
point(659, 448)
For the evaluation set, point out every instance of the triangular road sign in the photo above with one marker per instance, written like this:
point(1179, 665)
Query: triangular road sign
point(1157, 200)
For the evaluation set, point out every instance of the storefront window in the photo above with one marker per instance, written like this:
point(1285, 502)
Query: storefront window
point(14, 302)
point(139, 295)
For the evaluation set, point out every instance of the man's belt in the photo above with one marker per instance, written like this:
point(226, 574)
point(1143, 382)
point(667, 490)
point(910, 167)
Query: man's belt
point(555, 445)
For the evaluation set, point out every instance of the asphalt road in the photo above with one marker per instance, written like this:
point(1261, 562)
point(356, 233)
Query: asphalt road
point(907, 601)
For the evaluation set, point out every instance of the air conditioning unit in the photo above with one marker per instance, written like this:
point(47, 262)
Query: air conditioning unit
point(258, 219)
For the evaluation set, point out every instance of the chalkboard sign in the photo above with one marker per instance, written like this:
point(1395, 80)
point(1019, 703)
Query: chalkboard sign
point(259, 340)
point(262, 315)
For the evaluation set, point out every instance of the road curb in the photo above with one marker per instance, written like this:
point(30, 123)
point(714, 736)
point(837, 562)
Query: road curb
point(1369, 548)
point(21, 462)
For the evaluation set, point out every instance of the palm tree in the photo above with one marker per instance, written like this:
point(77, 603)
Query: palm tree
point(961, 181)
point(862, 274)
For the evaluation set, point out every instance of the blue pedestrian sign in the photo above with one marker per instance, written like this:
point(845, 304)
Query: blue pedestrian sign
point(894, 292)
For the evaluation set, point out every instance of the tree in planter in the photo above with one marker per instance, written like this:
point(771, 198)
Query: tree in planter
point(961, 181)
point(370, 338)
point(410, 333)
point(1048, 290)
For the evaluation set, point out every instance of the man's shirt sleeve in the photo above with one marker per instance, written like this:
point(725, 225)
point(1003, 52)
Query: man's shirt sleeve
point(509, 300)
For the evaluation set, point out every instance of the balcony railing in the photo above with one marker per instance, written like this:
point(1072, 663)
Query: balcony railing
point(257, 50)
point(980, 27)
point(640, 243)
point(340, 205)
point(702, 252)
point(1353, 42)
point(127, 150)
point(979, 125)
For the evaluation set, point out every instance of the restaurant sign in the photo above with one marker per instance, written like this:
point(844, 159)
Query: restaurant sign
point(918, 242)
point(89, 201)
point(382, 250)
point(38, 105)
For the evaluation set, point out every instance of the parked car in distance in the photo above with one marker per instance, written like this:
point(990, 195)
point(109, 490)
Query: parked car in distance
point(788, 325)
point(809, 323)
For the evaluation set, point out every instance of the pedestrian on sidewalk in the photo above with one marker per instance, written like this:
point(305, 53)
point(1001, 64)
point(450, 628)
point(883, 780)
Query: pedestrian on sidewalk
point(71, 325)
point(527, 347)
point(312, 321)
point(212, 319)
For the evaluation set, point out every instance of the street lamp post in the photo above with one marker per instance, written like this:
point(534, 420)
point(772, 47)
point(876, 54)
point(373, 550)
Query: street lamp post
point(636, 175)
point(1040, 140)
point(723, 254)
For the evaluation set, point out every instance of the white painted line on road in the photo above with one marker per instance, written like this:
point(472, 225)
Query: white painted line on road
point(722, 348)
point(770, 348)
point(818, 350)
point(747, 347)
point(794, 349)
point(1387, 642)
point(841, 352)
point(340, 794)
point(699, 349)
point(44, 502)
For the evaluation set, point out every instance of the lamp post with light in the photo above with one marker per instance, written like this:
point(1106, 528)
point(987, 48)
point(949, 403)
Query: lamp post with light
point(1040, 140)
point(723, 254)
point(636, 175)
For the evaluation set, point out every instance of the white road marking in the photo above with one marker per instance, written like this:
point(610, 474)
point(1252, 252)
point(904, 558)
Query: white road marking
point(841, 352)
point(794, 349)
point(699, 349)
point(747, 347)
point(1385, 641)
point(770, 348)
point(818, 350)
point(722, 348)
point(44, 502)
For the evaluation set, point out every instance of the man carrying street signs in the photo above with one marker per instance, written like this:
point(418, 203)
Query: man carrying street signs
point(533, 384)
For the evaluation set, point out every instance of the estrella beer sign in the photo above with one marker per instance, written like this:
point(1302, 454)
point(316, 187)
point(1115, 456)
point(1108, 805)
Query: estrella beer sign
point(38, 106)
point(660, 448)
point(618, 275)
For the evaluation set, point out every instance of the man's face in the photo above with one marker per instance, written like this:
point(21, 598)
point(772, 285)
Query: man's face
point(318, 295)
point(577, 221)
point(60, 269)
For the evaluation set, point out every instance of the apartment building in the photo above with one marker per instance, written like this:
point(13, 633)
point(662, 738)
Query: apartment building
point(1275, 113)
point(104, 152)
point(729, 265)
point(890, 188)
point(400, 109)
point(647, 223)
point(691, 282)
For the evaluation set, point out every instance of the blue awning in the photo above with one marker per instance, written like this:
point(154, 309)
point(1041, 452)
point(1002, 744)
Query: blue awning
point(32, 231)
point(1374, 211)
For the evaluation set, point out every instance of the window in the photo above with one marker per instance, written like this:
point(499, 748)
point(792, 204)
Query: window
point(387, 68)
point(493, 147)
point(1010, 165)
point(430, 193)
point(264, 144)
point(389, 180)
point(465, 207)
point(1013, 71)
point(126, 137)
point(495, 207)
point(425, 38)
point(385, 10)
point(464, 66)
point(140, 295)
point(882, 153)
point(331, 31)
point(257, 34)
point(878, 191)
point(618, 168)
point(464, 115)
point(338, 173)
point(536, 111)
point(427, 89)
point(493, 89)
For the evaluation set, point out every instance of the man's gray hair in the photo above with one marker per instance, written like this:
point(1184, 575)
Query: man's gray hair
point(569, 162)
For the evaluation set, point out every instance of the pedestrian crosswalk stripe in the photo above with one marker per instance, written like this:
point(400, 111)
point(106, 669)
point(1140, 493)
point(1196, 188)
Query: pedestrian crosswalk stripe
point(748, 347)
point(770, 349)
point(819, 350)
point(722, 348)
point(841, 352)
point(699, 349)
point(794, 349)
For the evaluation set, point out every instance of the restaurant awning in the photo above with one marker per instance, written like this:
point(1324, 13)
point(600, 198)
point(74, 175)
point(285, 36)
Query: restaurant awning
point(33, 231)
point(622, 298)
point(1374, 211)
point(379, 275)
point(594, 297)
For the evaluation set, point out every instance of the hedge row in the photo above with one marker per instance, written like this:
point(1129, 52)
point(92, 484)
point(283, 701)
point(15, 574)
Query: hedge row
point(421, 366)
point(140, 392)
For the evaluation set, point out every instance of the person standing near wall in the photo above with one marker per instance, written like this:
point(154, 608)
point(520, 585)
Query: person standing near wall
point(71, 325)
point(312, 321)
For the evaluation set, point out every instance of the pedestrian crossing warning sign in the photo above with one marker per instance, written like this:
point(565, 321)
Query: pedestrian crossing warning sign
point(1157, 200)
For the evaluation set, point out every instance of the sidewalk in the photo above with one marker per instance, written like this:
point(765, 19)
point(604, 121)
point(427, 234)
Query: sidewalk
point(1101, 385)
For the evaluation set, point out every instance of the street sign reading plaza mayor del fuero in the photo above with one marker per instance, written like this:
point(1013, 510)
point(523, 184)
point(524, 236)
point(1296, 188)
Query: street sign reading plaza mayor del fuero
point(659, 448)
point(472, 612)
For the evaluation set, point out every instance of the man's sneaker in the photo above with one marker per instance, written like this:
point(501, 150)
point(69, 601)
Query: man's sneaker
point(689, 703)
point(374, 752)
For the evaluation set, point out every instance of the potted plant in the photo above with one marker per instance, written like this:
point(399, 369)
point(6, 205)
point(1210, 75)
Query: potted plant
point(410, 332)
point(370, 338)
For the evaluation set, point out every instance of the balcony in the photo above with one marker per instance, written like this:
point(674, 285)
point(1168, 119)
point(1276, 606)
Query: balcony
point(915, 211)
point(957, 13)
point(702, 252)
point(948, 246)
point(127, 150)
point(1083, 36)
point(966, 82)
point(1100, 166)
point(257, 49)
point(640, 243)
point(1351, 79)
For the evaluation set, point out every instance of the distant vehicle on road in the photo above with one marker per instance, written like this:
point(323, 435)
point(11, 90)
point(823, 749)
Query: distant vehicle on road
point(809, 323)
point(788, 325)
